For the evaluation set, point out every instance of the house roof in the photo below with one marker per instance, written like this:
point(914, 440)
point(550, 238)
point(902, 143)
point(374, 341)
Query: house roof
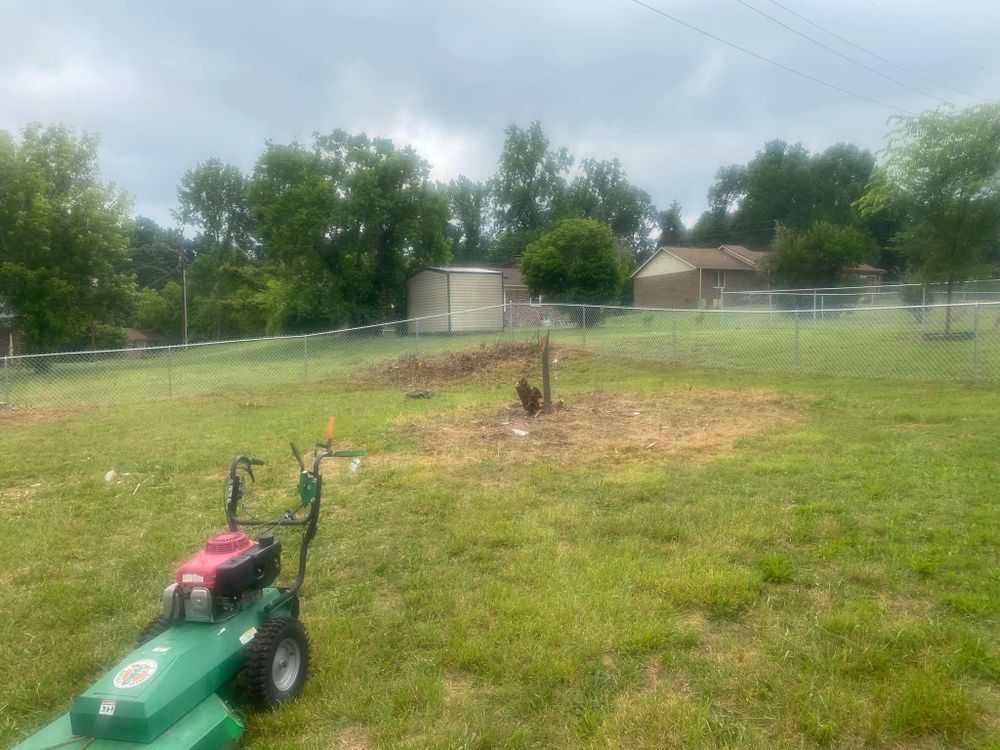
point(134, 334)
point(864, 267)
point(708, 258)
point(460, 269)
point(756, 257)
point(512, 276)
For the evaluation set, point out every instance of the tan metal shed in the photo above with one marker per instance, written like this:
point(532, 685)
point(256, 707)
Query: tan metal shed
point(456, 296)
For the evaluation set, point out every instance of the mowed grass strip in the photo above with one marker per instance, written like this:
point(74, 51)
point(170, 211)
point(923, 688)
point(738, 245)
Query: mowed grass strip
point(825, 580)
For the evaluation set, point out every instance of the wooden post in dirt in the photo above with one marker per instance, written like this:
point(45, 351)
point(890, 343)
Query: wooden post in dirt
point(546, 385)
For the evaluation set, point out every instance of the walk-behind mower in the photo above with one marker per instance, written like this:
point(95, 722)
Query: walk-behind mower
point(221, 616)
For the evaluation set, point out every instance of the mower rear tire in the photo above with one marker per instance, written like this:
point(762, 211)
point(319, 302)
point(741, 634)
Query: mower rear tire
point(277, 662)
point(157, 626)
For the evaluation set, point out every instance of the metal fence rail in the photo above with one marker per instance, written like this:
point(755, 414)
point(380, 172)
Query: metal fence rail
point(928, 342)
point(881, 295)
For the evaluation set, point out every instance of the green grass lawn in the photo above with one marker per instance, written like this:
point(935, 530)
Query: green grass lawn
point(828, 581)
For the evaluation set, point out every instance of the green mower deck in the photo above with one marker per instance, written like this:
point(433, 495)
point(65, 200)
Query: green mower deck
point(163, 694)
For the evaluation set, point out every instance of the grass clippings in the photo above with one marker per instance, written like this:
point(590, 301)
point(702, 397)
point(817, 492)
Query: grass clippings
point(698, 425)
point(499, 362)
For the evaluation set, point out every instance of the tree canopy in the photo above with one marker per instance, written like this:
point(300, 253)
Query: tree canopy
point(63, 241)
point(817, 257)
point(576, 261)
point(785, 184)
point(941, 173)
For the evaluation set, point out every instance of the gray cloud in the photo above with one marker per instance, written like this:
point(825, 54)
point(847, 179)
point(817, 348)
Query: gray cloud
point(169, 85)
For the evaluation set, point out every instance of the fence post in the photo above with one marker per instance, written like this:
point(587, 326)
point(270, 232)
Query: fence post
point(797, 361)
point(170, 371)
point(305, 358)
point(6, 384)
point(584, 326)
point(814, 306)
point(673, 337)
point(416, 333)
point(976, 360)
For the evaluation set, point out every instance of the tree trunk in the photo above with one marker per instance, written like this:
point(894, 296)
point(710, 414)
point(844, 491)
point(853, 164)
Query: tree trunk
point(531, 398)
point(546, 384)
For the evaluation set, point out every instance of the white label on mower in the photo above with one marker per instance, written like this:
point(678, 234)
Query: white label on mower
point(248, 636)
point(107, 708)
point(161, 649)
point(192, 578)
point(135, 673)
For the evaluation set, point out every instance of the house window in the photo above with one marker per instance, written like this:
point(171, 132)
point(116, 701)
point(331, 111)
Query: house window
point(719, 280)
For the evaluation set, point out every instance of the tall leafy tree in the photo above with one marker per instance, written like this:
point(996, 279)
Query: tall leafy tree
point(817, 257)
point(529, 187)
point(671, 224)
point(225, 279)
point(941, 172)
point(787, 185)
point(344, 224)
point(602, 192)
point(63, 240)
point(576, 261)
point(470, 220)
point(212, 197)
point(155, 253)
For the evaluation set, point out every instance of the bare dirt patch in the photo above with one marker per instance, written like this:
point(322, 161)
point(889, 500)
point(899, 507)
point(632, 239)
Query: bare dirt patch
point(698, 425)
point(499, 362)
point(26, 416)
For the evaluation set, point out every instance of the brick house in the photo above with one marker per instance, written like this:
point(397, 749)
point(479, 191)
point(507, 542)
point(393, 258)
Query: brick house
point(691, 277)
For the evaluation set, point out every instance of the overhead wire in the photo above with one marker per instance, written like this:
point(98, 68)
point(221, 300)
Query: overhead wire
point(875, 55)
point(768, 60)
point(841, 55)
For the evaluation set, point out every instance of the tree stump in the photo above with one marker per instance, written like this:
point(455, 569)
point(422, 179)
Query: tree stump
point(531, 397)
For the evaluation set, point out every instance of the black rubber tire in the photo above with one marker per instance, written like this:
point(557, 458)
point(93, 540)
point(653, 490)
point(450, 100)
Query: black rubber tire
point(157, 625)
point(277, 662)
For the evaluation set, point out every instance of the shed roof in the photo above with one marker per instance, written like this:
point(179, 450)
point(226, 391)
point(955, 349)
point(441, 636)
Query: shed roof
point(460, 269)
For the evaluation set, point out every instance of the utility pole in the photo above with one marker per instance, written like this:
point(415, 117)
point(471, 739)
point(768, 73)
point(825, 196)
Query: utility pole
point(184, 286)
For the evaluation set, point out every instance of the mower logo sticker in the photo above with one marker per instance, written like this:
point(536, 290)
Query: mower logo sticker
point(107, 708)
point(248, 636)
point(135, 673)
point(192, 578)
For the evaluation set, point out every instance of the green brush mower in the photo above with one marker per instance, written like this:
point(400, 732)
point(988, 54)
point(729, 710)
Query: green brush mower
point(222, 616)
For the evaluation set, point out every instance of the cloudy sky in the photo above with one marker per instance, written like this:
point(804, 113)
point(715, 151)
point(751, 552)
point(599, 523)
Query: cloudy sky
point(167, 85)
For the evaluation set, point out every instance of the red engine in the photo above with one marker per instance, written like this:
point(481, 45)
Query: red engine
point(201, 569)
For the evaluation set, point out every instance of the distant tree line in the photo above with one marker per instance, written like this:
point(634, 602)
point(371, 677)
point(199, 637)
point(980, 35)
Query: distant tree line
point(323, 235)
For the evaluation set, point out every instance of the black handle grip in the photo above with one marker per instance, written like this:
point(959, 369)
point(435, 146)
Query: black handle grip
point(256, 461)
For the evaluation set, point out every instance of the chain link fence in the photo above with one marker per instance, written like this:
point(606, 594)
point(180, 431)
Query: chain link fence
point(928, 342)
point(820, 299)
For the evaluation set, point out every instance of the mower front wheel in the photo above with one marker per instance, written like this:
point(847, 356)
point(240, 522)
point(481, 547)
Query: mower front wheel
point(277, 661)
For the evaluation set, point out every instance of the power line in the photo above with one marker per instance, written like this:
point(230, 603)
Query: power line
point(840, 54)
point(768, 60)
point(877, 56)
